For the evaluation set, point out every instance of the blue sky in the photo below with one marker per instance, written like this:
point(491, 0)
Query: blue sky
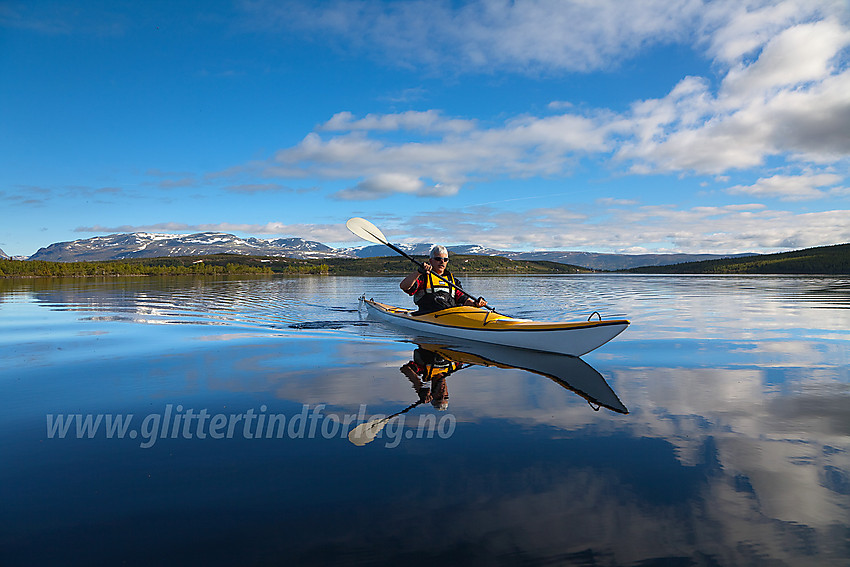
point(607, 126)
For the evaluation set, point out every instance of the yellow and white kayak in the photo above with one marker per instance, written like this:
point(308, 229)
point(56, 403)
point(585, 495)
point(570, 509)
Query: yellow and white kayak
point(472, 323)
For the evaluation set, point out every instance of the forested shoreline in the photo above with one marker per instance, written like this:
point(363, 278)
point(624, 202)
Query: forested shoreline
point(822, 260)
point(224, 264)
point(826, 260)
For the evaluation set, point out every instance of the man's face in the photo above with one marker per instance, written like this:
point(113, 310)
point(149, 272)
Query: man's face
point(438, 263)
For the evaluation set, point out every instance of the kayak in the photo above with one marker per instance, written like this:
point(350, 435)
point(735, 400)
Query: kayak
point(569, 372)
point(473, 323)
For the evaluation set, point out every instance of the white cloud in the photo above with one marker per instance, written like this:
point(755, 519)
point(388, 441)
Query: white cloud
point(780, 94)
point(736, 29)
point(532, 36)
point(520, 35)
point(427, 121)
point(604, 227)
point(789, 187)
point(795, 56)
point(790, 101)
point(784, 94)
point(386, 184)
point(520, 147)
point(651, 228)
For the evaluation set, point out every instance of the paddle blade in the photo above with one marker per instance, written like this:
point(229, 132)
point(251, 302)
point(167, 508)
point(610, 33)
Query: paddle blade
point(366, 230)
point(366, 432)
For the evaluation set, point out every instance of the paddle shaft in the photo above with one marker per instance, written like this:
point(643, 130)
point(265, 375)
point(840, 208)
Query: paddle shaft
point(368, 231)
point(386, 420)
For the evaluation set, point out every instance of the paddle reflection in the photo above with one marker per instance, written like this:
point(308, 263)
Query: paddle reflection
point(432, 363)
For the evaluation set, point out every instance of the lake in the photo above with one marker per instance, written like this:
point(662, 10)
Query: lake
point(252, 421)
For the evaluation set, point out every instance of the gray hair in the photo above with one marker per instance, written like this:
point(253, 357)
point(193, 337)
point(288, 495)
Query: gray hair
point(439, 250)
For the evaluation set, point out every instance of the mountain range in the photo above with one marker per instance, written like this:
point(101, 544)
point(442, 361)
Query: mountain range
point(592, 260)
point(151, 245)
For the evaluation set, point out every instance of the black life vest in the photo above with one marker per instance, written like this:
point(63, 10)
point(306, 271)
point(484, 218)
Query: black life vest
point(436, 294)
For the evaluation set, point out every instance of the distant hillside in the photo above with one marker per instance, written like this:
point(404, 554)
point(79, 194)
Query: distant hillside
point(590, 260)
point(3, 255)
point(830, 260)
point(222, 264)
point(150, 245)
point(611, 262)
point(459, 264)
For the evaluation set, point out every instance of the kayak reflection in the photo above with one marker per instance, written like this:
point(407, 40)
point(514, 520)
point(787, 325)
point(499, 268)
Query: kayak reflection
point(433, 362)
point(569, 372)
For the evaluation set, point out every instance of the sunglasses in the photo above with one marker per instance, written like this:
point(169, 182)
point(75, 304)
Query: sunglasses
point(439, 259)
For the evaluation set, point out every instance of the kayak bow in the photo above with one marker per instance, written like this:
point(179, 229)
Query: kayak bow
point(572, 338)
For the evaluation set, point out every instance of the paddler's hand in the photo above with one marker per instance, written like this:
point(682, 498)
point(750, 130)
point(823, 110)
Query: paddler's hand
point(425, 268)
point(480, 302)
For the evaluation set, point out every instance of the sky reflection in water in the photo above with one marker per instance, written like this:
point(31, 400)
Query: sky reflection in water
point(734, 450)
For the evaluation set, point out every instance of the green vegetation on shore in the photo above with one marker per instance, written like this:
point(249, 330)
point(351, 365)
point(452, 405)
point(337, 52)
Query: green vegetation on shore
point(237, 264)
point(830, 260)
point(827, 260)
point(152, 267)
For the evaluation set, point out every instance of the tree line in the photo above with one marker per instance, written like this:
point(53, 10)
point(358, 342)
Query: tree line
point(826, 260)
point(38, 268)
point(236, 264)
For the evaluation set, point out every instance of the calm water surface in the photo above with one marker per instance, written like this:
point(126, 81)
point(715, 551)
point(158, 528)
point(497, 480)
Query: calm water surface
point(242, 421)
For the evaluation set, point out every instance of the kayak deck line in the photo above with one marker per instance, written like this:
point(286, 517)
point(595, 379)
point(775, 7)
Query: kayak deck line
point(467, 322)
point(475, 318)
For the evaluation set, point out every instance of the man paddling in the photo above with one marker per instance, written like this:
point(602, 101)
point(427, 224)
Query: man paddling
point(433, 286)
point(427, 373)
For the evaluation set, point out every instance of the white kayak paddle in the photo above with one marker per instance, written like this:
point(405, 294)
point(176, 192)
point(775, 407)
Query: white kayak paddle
point(368, 231)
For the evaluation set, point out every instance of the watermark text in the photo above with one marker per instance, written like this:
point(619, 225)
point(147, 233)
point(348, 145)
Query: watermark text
point(177, 422)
